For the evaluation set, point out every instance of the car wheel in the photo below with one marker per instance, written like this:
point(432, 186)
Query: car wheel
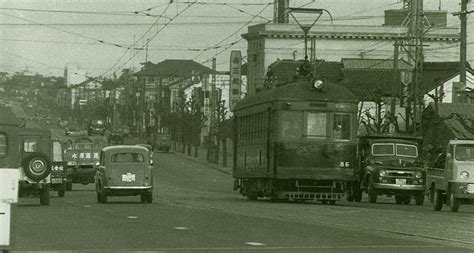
point(36, 166)
point(251, 195)
point(453, 203)
point(406, 200)
point(371, 191)
point(149, 197)
point(420, 199)
point(68, 186)
point(103, 195)
point(44, 195)
point(436, 199)
point(398, 199)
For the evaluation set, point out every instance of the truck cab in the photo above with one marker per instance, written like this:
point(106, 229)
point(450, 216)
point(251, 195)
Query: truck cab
point(451, 176)
point(389, 166)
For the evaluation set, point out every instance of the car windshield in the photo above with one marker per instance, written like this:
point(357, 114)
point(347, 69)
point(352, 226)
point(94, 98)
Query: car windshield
point(464, 152)
point(388, 149)
point(127, 157)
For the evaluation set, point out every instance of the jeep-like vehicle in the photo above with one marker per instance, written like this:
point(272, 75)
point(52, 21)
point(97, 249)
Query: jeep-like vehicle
point(35, 157)
point(389, 165)
point(451, 177)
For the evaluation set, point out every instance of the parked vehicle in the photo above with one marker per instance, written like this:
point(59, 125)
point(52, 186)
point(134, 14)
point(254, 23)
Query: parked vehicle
point(390, 166)
point(28, 150)
point(124, 170)
point(82, 153)
point(58, 169)
point(116, 136)
point(96, 126)
point(451, 176)
point(285, 146)
point(161, 141)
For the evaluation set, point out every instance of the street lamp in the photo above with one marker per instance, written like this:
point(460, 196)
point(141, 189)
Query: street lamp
point(307, 27)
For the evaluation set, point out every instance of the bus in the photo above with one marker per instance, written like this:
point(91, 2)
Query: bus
point(297, 142)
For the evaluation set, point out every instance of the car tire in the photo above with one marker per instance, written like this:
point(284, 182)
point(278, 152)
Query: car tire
point(419, 199)
point(453, 203)
point(149, 197)
point(371, 191)
point(103, 195)
point(36, 166)
point(68, 186)
point(437, 199)
point(406, 200)
point(398, 199)
point(44, 195)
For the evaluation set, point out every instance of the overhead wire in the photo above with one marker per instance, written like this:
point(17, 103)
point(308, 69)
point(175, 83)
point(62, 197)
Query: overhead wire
point(171, 20)
point(142, 36)
point(232, 34)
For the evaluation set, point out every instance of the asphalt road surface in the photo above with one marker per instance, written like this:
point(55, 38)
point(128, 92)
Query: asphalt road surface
point(195, 210)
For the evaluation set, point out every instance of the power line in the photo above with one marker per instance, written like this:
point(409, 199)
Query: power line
point(232, 34)
point(64, 31)
point(142, 36)
point(150, 39)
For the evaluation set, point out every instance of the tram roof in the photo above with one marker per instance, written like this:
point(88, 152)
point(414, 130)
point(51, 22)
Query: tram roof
point(301, 91)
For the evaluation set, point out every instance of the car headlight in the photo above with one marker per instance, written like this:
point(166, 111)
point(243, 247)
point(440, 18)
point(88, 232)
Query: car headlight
point(464, 174)
point(318, 84)
point(418, 175)
point(382, 173)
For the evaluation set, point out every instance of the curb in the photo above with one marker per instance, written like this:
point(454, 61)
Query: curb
point(211, 165)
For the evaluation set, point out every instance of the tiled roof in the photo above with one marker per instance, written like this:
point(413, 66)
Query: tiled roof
point(458, 118)
point(435, 73)
point(177, 68)
point(367, 64)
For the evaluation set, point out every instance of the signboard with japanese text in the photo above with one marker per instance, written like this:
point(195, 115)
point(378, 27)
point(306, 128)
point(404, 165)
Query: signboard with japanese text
point(235, 78)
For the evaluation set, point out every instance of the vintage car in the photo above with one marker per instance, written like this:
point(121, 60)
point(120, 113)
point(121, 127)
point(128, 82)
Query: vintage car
point(124, 170)
point(116, 136)
point(161, 141)
point(96, 127)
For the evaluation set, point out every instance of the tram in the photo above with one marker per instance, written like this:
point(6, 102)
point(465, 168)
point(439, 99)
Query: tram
point(296, 142)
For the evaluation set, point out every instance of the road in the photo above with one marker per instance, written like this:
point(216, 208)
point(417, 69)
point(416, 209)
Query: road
point(195, 209)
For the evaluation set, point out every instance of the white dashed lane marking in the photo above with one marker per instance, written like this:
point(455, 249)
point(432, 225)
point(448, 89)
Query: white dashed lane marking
point(181, 228)
point(255, 243)
point(132, 217)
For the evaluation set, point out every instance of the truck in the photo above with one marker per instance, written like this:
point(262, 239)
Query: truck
point(81, 156)
point(390, 165)
point(450, 178)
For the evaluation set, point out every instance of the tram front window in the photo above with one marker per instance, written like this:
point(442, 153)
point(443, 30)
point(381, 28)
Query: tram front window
point(316, 124)
point(342, 126)
point(290, 125)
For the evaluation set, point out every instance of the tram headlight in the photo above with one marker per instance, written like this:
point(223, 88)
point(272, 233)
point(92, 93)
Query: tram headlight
point(382, 173)
point(464, 174)
point(318, 84)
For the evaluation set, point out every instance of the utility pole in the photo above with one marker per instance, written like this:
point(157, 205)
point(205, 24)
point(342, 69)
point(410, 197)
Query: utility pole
point(463, 49)
point(212, 118)
point(396, 79)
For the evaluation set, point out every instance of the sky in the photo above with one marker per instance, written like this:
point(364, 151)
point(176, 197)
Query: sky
point(105, 36)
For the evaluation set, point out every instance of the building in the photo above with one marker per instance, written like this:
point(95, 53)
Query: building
point(272, 41)
point(449, 88)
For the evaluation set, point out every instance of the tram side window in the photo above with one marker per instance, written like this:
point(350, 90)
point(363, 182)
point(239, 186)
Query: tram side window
point(290, 125)
point(342, 126)
point(316, 124)
point(3, 145)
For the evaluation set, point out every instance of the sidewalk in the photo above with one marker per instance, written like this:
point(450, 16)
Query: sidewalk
point(202, 153)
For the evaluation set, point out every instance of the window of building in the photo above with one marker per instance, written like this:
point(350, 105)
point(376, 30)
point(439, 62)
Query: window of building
point(3, 145)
